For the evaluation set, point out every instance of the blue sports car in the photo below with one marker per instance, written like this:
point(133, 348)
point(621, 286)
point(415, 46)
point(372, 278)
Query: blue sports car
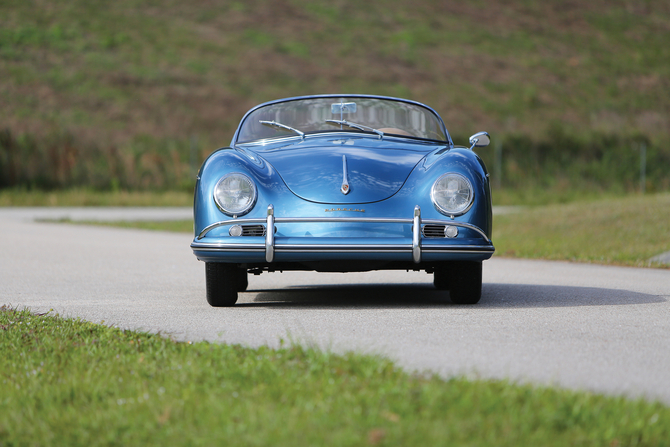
point(343, 183)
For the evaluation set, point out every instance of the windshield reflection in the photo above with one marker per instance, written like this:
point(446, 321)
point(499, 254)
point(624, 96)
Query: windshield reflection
point(312, 114)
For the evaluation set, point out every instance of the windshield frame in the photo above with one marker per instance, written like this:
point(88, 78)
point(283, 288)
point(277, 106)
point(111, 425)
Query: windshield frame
point(439, 120)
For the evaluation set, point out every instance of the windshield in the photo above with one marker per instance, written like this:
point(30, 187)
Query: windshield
point(352, 114)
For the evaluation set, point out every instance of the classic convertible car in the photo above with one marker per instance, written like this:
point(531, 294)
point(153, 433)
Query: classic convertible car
point(343, 183)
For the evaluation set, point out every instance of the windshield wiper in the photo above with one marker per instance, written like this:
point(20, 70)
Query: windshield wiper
point(276, 125)
point(356, 126)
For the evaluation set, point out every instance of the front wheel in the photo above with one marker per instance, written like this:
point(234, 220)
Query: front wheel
point(242, 280)
point(466, 283)
point(221, 281)
point(441, 278)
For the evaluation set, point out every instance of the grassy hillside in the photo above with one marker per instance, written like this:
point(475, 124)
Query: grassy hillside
point(148, 85)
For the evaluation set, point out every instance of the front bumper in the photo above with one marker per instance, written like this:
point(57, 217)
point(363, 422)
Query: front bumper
point(270, 248)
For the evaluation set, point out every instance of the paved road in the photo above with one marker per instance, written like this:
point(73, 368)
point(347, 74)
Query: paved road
point(579, 326)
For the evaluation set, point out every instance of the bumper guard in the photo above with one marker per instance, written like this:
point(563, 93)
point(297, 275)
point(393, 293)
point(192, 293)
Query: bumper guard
point(270, 221)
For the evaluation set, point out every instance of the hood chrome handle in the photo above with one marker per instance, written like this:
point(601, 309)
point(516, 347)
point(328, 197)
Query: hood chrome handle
point(345, 178)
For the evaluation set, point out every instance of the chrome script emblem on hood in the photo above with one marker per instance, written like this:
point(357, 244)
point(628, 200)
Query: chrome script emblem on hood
point(328, 210)
point(345, 177)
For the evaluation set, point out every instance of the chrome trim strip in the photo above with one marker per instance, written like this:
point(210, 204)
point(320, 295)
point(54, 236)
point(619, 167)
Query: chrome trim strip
point(340, 134)
point(400, 248)
point(416, 235)
point(345, 177)
point(209, 228)
point(270, 235)
point(226, 248)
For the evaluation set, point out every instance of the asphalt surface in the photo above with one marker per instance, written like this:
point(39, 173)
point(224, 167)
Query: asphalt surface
point(605, 329)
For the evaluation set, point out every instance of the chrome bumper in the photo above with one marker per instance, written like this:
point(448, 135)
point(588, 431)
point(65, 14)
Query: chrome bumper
point(271, 247)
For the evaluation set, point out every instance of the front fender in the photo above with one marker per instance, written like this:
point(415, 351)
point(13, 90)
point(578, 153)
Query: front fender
point(220, 163)
point(459, 160)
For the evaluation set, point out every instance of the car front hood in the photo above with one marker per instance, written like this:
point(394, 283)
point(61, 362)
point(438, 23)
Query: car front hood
point(316, 173)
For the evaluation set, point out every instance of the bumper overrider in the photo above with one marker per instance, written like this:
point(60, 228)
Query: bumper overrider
point(270, 248)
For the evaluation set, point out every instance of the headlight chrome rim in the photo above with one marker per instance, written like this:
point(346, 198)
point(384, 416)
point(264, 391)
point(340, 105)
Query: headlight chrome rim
point(457, 210)
point(242, 210)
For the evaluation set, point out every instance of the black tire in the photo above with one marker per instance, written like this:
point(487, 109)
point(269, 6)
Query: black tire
point(221, 283)
point(441, 278)
point(466, 285)
point(242, 280)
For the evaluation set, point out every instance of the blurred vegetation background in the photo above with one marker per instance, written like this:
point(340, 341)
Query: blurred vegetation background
point(130, 94)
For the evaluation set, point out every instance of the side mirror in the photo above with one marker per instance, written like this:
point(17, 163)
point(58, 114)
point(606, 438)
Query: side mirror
point(480, 139)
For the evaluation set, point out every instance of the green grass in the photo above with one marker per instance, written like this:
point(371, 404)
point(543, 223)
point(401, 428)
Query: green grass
point(89, 197)
point(72, 382)
point(179, 226)
point(624, 231)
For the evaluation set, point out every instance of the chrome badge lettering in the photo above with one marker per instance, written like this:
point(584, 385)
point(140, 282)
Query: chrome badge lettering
point(344, 209)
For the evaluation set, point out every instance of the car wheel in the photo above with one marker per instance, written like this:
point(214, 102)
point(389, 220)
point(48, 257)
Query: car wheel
point(466, 286)
point(221, 283)
point(242, 280)
point(441, 278)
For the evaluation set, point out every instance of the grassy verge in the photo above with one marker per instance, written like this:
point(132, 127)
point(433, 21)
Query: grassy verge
point(71, 382)
point(179, 226)
point(624, 231)
point(89, 197)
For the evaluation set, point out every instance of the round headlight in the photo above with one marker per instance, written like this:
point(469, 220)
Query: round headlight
point(235, 194)
point(452, 194)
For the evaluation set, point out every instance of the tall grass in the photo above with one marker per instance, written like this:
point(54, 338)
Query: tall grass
point(563, 164)
point(59, 161)
point(559, 166)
